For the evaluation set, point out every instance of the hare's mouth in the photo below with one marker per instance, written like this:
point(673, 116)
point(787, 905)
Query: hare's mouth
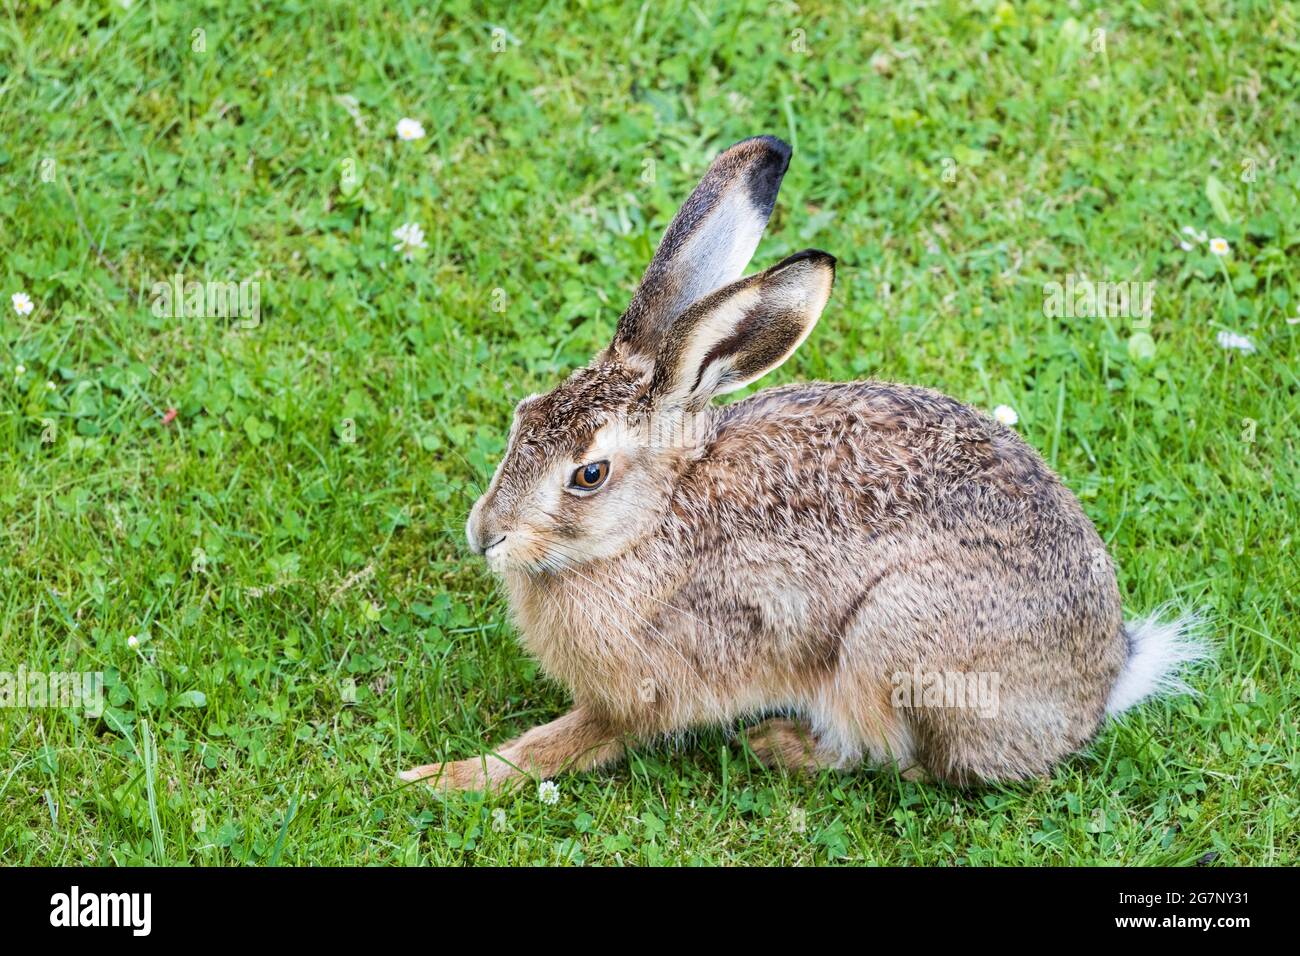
point(495, 553)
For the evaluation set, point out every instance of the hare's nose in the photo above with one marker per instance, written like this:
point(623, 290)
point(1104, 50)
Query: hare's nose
point(481, 539)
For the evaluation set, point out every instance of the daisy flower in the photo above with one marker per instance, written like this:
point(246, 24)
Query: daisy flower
point(548, 793)
point(410, 238)
point(22, 303)
point(409, 129)
point(1219, 246)
point(1006, 415)
point(1231, 340)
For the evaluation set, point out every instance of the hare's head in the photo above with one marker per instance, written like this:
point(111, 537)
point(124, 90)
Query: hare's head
point(590, 467)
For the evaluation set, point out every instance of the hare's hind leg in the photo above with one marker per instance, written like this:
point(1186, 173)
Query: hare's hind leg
point(795, 745)
point(577, 741)
point(788, 745)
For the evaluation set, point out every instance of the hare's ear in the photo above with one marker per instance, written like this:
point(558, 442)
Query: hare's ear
point(710, 240)
point(741, 331)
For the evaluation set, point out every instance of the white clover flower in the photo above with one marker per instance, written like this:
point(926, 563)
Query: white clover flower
point(1006, 415)
point(1231, 340)
point(548, 793)
point(133, 642)
point(20, 370)
point(22, 303)
point(50, 386)
point(409, 129)
point(410, 238)
point(1219, 246)
point(499, 823)
point(1193, 235)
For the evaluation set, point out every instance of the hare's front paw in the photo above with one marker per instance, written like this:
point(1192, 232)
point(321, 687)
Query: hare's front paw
point(457, 775)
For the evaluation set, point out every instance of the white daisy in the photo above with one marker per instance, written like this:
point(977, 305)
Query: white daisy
point(1219, 246)
point(548, 793)
point(411, 238)
point(22, 303)
point(409, 129)
point(1006, 415)
point(1231, 340)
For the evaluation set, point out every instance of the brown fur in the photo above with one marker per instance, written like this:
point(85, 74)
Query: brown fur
point(798, 552)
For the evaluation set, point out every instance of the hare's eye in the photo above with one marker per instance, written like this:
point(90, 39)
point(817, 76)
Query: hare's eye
point(590, 477)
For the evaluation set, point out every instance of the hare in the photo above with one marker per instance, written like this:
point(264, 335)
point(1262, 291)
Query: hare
point(899, 575)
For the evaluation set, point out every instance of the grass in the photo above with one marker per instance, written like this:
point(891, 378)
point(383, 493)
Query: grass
point(288, 551)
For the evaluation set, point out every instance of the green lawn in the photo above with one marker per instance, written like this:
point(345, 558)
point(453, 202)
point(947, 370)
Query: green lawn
point(288, 552)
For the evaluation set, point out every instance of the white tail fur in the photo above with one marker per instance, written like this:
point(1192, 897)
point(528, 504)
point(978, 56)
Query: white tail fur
point(1158, 653)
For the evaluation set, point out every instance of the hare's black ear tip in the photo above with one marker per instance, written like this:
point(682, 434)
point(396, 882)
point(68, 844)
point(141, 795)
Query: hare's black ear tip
point(779, 147)
point(766, 159)
point(827, 262)
point(772, 155)
point(812, 257)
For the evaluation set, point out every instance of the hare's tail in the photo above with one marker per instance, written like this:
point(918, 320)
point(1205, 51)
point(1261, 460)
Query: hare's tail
point(1159, 654)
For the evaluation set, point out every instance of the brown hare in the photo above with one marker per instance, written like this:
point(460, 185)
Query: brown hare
point(899, 575)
